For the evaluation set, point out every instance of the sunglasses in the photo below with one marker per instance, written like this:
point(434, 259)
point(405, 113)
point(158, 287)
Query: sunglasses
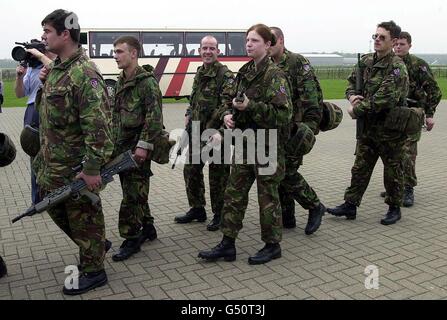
point(381, 37)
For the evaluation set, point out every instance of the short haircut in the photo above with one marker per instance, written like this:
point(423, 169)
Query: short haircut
point(405, 35)
point(278, 32)
point(392, 27)
point(132, 42)
point(264, 32)
point(209, 36)
point(62, 20)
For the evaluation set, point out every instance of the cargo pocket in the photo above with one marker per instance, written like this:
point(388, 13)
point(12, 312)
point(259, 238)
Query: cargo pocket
point(131, 115)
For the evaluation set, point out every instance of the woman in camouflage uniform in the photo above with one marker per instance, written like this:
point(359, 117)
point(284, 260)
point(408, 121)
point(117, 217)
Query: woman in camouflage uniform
point(266, 105)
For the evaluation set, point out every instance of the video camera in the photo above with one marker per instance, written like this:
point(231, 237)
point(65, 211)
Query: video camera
point(25, 58)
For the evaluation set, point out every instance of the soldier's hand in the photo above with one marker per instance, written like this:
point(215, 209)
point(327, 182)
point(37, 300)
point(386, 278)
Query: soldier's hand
point(20, 71)
point(93, 182)
point(140, 155)
point(351, 112)
point(429, 123)
point(43, 74)
point(216, 139)
point(228, 121)
point(355, 100)
point(241, 106)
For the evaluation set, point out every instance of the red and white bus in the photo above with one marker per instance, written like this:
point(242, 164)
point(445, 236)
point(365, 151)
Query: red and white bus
point(173, 53)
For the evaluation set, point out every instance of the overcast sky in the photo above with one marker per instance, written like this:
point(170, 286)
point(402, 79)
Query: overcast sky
point(309, 26)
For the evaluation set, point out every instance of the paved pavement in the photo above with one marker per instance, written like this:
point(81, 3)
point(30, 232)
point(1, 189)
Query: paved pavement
point(411, 256)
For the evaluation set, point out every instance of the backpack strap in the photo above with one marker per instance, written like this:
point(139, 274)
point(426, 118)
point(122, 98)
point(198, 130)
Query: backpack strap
point(220, 77)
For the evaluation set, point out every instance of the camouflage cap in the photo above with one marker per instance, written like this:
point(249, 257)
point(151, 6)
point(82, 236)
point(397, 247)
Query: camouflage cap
point(7, 150)
point(332, 116)
point(301, 141)
point(29, 140)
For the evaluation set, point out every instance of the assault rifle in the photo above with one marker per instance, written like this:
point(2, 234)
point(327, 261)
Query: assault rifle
point(78, 188)
point(183, 142)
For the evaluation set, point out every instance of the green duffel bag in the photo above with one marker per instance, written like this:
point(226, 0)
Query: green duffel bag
point(162, 146)
point(332, 116)
point(406, 120)
point(301, 141)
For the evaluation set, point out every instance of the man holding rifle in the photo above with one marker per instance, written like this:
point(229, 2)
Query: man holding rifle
point(384, 91)
point(75, 120)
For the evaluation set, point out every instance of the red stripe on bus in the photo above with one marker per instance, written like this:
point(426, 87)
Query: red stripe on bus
point(160, 67)
point(175, 86)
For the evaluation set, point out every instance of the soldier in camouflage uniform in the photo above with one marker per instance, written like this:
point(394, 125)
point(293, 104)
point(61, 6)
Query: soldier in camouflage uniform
point(266, 105)
point(75, 126)
point(424, 93)
point(211, 89)
point(138, 121)
point(307, 98)
point(385, 87)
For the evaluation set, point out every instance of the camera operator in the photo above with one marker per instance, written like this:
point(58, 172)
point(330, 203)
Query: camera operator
point(27, 84)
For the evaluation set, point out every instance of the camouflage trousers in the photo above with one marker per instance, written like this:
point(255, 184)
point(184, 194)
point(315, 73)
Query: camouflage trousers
point(134, 210)
point(295, 187)
point(195, 186)
point(241, 179)
point(411, 152)
point(83, 224)
point(367, 153)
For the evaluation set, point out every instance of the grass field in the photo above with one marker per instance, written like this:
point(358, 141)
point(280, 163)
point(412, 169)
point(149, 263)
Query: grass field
point(332, 89)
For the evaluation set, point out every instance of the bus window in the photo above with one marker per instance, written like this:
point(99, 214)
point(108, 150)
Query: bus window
point(236, 44)
point(101, 43)
point(193, 42)
point(162, 43)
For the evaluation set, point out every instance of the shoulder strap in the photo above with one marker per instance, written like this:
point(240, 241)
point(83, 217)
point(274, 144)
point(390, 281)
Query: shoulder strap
point(220, 77)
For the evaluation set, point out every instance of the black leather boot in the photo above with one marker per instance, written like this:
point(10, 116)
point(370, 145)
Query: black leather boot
point(346, 209)
point(198, 214)
point(214, 224)
point(87, 281)
point(225, 249)
point(3, 270)
point(148, 233)
point(314, 219)
point(127, 249)
point(269, 252)
point(392, 216)
point(408, 200)
point(288, 217)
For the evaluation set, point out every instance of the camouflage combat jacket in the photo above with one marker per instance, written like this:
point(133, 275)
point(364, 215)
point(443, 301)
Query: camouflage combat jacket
point(211, 89)
point(75, 121)
point(423, 86)
point(385, 86)
point(138, 117)
point(307, 96)
point(270, 105)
